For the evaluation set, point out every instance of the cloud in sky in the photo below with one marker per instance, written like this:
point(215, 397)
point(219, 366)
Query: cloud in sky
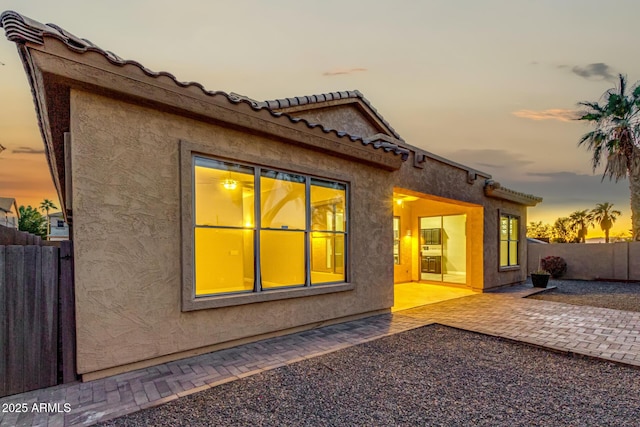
point(566, 189)
point(340, 71)
point(27, 150)
point(595, 71)
point(559, 114)
point(564, 192)
point(489, 159)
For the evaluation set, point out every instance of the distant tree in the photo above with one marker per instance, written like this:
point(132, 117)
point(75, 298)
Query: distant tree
point(616, 137)
point(45, 206)
point(604, 215)
point(562, 231)
point(32, 221)
point(538, 230)
point(621, 237)
point(579, 221)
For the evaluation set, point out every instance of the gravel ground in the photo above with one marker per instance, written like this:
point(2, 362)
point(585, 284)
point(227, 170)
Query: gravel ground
point(616, 295)
point(435, 376)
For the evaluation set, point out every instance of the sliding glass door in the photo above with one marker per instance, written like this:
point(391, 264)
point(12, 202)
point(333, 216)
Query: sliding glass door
point(443, 248)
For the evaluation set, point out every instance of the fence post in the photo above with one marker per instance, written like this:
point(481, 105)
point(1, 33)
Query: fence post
point(3, 325)
point(66, 313)
point(6, 234)
point(14, 292)
point(32, 296)
point(20, 238)
point(49, 309)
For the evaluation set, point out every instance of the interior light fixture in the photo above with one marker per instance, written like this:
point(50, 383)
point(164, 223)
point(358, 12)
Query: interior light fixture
point(408, 233)
point(230, 184)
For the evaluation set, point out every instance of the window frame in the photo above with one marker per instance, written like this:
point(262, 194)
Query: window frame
point(509, 267)
point(397, 239)
point(188, 152)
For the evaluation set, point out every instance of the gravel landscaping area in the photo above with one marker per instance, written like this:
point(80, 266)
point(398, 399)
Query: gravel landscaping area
point(434, 376)
point(616, 295)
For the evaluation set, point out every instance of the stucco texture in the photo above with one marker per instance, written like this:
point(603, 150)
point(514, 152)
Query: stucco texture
point(604, 261)
point(127, 233)
point(445, 183)
point(345, 118)
point(472, 255)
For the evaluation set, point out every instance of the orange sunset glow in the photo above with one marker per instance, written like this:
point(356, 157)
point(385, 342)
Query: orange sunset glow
point(493, 84)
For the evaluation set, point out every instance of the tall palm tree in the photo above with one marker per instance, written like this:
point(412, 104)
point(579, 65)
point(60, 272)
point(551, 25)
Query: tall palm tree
point(605, 216)
point(579, 221)
point(45, 206)
point(617, 138)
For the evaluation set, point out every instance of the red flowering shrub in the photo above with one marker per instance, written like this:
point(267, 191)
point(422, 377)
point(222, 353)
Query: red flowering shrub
point(555, 265)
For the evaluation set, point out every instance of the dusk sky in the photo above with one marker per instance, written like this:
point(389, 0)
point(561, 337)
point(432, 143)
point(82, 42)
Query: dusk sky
point(491, 84)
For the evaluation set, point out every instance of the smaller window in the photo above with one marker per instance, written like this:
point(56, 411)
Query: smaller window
point(396, 240)
point(60, 223)
point(509, 239)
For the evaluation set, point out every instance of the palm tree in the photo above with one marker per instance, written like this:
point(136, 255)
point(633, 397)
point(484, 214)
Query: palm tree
point(605, 216)
point(579, 221)
point(617, 138)
point(45, 206)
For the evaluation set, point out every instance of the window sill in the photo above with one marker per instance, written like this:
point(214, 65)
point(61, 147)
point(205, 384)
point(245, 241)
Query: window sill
point(202, 303)
point(509, 268)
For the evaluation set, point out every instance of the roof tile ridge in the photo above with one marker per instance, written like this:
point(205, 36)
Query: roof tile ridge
point(21, 29)
point(336, 95)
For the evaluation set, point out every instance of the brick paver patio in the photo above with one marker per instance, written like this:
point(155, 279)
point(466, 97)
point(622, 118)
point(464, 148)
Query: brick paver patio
point(598, 332)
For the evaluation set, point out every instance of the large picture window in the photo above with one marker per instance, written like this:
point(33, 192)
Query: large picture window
point(258, 229)
point(509, 237)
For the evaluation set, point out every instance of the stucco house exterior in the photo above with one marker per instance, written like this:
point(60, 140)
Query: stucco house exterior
point(205, 219)
point(58, 229)
point(9, 213)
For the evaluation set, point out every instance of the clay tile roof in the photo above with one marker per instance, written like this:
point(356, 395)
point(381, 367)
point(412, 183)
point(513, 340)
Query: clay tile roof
point(276, 104)
point(20, 29)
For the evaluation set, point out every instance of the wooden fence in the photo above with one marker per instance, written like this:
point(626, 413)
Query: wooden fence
point(12, 236)
point(37, 320)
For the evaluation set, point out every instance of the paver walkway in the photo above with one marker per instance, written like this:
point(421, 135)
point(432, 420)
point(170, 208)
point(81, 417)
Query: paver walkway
point(599, 332)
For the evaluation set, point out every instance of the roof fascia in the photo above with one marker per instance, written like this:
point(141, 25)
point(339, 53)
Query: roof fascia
point(44, 106)
point(91, 71)
point(495, 190)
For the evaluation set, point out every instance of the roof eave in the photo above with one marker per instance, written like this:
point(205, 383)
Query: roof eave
point(51, 54)
point(37, 83)
point(330, 99)
point(495, 190)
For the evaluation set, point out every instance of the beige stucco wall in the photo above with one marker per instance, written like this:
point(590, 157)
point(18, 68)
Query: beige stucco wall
point(410, 213)
point(610, 261)
point(345, 118)
point(493, 275)
point(127, 217)
point(402, 272)
point(449, 183)
point(440, 180)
